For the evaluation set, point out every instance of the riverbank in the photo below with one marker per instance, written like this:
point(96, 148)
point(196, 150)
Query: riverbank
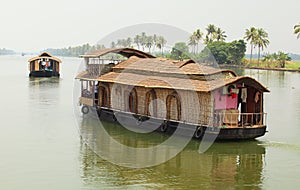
point(260, 67)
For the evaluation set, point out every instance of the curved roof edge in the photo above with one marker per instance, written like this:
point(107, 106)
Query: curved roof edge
point(244, 79)
point(45, 55)
point(127, 52)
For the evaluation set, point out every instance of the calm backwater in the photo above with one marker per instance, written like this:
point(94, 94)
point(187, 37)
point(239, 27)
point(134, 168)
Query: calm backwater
point(41, 147)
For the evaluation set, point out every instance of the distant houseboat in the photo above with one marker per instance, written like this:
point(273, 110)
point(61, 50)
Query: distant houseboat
point(44, 65)
point(170, 93)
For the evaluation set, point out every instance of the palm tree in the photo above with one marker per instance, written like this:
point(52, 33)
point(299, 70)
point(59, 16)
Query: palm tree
point(250, 35)
point(261, 40)
point(268, 58)
point(282, 58)
point(149, 42)
point(128, 42)
point(193, 42)
point(220, 35)
point(113, 45)
point(207, 40)
point(154, 42)
point(137, 40)
point(297, 30)
point(161, 42)
point(198, 35)
point(211, 29)
point(143, 40)
point(119, 43)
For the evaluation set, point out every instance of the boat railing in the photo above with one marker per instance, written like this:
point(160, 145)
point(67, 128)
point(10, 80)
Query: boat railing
point(96, 70)
point(86, 93)
point(223, 119)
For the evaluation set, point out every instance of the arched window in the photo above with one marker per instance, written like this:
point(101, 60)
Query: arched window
point(132, 100)
point(103, 96)
point(151, 103)
point(173, 107)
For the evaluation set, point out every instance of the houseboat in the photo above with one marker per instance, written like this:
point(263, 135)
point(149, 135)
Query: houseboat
point(44, 65)
point(143, 91)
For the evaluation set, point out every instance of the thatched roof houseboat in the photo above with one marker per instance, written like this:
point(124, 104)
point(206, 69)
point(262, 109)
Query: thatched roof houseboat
point(171, 93)
point(44, 65)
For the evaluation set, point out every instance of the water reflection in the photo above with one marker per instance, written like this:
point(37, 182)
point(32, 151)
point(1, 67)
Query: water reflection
point(237, 165)
point(44, 82)
point(43, 91)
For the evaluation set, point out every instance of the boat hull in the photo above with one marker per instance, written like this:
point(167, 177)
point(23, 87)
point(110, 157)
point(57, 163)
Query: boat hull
point(44, 74)
point(143, 123)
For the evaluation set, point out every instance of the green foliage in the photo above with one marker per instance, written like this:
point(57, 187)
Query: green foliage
point(224, 52)
point(276, 59)
point(258, 38)
point(282, 58)
point(142, 42)
point(74, 51)
point(297, 30)
point(236, 51)
point(180, 51)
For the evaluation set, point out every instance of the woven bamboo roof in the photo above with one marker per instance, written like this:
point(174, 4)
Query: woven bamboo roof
point(159, 65)
point(44, 55)
point(141, 69)
point(127, 52)
point(84, 75)
point(176, 83)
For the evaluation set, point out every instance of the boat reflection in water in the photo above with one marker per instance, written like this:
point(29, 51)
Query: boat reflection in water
point(44, 82)
point(225, 165)
point(43, 93)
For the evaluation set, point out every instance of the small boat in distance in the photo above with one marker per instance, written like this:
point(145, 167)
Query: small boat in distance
point(44, 65)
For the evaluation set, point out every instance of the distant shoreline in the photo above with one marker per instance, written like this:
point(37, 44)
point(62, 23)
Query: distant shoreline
point(259, 68)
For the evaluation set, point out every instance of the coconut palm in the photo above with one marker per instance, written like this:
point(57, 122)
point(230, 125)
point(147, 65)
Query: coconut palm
point(161, 42)
point(268, 58)
point(207, 40)
point(193, 42)
point(154, 42)
point(282, 58)
point(149, 42)
point(261, 40)
point(137, 40)
point(128, 42)
point(211, 29)
point(297, 30)
point(143, 40)
point(220, 35)
point(250, 35)
point(198, 36)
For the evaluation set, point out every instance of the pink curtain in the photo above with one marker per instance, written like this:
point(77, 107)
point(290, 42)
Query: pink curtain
point(225, 101)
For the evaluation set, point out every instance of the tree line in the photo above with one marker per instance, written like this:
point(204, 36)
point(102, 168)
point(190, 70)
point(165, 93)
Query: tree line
point(151, 43)
point(278, 59)
point(74, 51)
point(214, 38)
point(4, 51)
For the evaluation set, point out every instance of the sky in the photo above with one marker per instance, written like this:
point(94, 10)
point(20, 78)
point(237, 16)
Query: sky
point(34, 25)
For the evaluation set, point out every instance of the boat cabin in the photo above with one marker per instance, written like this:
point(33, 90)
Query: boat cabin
point(44, 65)
point(174, 92)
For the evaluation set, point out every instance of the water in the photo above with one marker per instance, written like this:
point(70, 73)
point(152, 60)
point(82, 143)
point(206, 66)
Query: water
point(41, 147)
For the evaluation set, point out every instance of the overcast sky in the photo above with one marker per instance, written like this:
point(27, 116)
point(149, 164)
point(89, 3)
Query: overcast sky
point(33, 25)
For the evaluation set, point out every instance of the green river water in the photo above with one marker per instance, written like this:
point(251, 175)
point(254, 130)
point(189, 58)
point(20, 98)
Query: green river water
point(43, 145)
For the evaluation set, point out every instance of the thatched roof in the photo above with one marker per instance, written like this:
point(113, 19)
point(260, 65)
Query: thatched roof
point(151, 72)
point(44, 55)
point(84, 75)
point(159, 65)
point(127, 52)
point(186, 83)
